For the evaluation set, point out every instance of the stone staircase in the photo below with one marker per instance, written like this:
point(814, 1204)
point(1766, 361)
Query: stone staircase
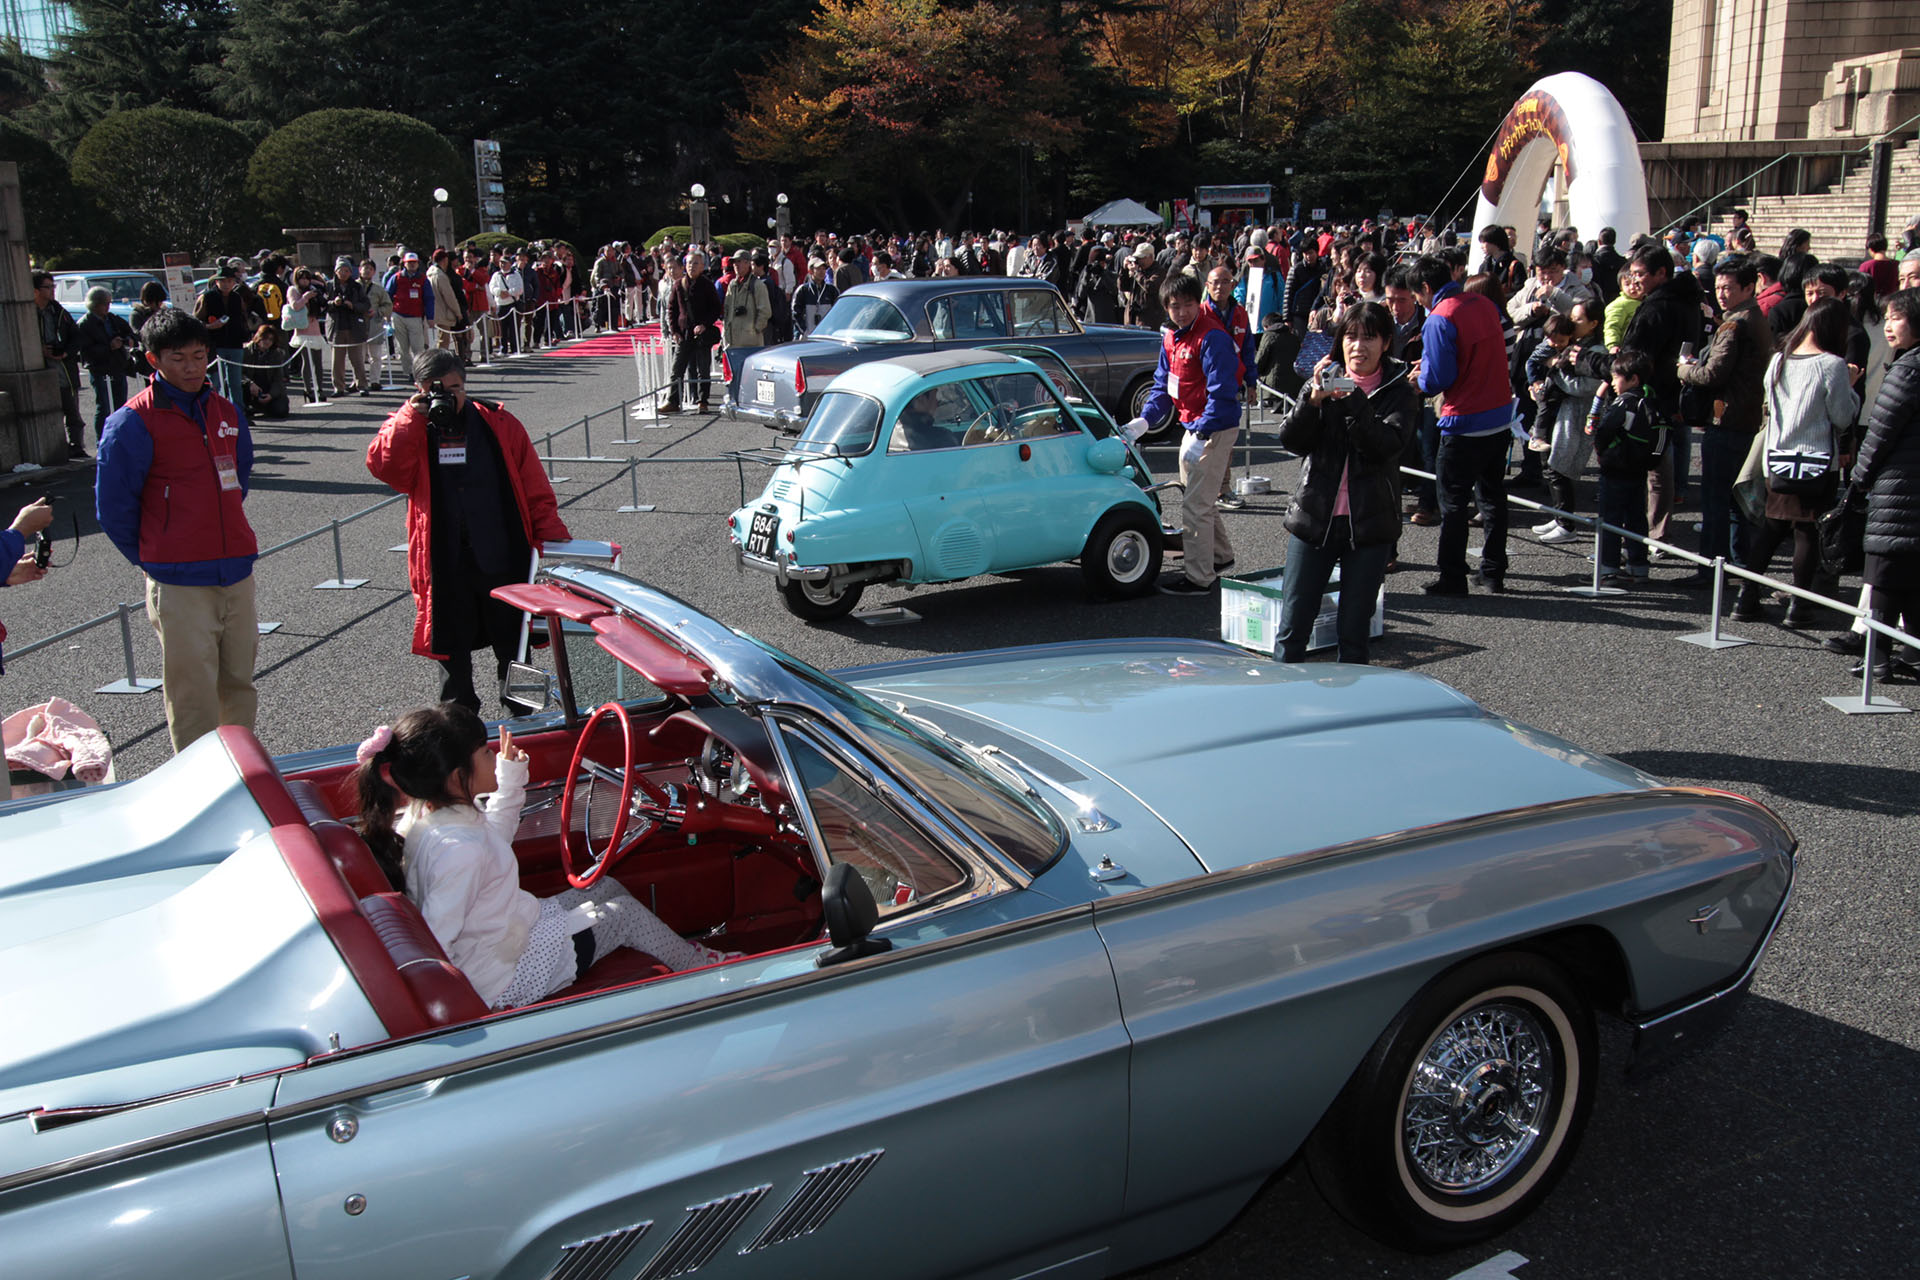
point(1836, 217)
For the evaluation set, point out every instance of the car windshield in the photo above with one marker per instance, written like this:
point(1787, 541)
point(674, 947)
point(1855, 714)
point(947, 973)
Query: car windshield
point(864, 318)
point(1023, 829)
point(124, 288)
point(841, 425)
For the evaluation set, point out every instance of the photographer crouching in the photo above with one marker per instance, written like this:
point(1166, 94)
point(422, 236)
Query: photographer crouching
point(477, 505)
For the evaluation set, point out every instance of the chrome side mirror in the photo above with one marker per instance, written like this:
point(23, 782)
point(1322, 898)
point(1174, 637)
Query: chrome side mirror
point(528, 690)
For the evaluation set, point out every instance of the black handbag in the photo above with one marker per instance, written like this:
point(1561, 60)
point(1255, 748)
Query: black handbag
point(1841, 532)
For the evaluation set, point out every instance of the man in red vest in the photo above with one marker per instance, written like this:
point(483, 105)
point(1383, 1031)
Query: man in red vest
point(412, 294)
point(169, 494)
point(1463, 360)
point(1199, 378)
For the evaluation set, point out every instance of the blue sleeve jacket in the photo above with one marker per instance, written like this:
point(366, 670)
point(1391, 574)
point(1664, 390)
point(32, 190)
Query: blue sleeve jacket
point(1221, 364)
point(120, 476)
point(1439, 347)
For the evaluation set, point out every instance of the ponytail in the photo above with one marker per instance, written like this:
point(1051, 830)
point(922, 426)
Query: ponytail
point(416, 759)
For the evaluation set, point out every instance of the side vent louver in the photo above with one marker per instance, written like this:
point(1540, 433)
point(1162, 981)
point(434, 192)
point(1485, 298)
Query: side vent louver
point(594, 1259)
point(701, 1235)
point(823, 1192)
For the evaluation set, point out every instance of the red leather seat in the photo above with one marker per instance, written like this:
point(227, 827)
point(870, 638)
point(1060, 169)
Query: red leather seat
point(312, 801)
point(384, 941)
point(614, 969)
point(441, 990)
point(352, 858)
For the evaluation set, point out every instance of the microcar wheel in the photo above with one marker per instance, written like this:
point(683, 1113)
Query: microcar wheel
point(1122, 555)
point(820, 601)
point(1466, 1110)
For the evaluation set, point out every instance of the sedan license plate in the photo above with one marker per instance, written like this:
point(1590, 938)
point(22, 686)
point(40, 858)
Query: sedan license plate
point(763, 391)
point(760, 536)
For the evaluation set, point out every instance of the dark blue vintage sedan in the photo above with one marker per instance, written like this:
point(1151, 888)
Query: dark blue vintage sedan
point(778, 385)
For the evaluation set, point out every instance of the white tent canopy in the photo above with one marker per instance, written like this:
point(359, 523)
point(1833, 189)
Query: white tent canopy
point(1124, 213)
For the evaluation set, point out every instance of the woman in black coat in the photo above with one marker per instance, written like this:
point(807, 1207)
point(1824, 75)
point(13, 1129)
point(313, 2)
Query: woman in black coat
point(1888, 468)
point(1346, 512)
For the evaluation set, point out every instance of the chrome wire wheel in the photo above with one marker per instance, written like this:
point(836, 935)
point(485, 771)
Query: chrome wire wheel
point(1478, 1098)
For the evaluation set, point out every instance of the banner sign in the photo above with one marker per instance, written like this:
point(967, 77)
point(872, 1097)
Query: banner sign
point(1248, 193)
point(1535, 116)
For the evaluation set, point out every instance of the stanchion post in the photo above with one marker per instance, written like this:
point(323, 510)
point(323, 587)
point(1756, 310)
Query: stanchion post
point(1711, 637)
point(633, 485)
point(340, 581)
point(1866, 704)
point(1595, 591)
point(131, 683)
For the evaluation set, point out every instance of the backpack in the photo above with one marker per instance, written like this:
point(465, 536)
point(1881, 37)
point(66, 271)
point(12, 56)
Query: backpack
point(1637, 440)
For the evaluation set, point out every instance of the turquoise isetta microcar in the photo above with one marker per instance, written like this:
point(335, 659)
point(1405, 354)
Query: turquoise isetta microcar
point(933, 468)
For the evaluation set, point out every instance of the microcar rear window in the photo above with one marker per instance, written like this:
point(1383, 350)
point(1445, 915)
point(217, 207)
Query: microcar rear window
point(864, 318)
point(842, 424)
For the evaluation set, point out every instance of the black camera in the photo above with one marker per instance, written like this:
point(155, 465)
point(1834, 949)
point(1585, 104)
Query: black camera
point(443, 410)
point(43, 551)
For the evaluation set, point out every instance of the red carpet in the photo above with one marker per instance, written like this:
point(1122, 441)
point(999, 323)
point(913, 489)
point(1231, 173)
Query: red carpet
point(606, 344)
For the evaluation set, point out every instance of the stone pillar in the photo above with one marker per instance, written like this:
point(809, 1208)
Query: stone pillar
point(32, 427)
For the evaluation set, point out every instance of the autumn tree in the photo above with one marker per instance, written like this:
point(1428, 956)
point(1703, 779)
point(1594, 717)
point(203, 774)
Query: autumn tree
point(880, 98)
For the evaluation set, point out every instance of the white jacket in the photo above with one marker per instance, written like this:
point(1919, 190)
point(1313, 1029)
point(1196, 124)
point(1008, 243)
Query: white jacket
point(505, 288)
point(460, 870)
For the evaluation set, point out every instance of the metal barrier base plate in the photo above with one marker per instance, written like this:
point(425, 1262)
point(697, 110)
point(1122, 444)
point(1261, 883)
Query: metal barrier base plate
point(266, 628)
point(632, 508)
point(1594, 593)
point(1708, 640)
point(1853, 704)
point(341, 584)
point(146, 684)
point(890, 616)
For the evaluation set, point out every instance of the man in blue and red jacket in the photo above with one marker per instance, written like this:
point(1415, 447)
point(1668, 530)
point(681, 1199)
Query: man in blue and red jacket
point(412, 293)
point(1199, 378)
point(1463, 360)
point(169, 492)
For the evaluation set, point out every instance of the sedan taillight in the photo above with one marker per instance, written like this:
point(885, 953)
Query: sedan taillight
point(726, 367)
point(799, 378)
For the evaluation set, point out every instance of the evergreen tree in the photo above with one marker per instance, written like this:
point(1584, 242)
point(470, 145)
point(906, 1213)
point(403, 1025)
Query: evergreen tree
point(123, 54)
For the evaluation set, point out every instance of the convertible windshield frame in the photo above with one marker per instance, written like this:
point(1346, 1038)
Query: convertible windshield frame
point(910, 753)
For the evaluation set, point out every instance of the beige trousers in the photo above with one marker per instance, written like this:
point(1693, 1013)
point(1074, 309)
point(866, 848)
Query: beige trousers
point(1204, 544)
point(208, 639)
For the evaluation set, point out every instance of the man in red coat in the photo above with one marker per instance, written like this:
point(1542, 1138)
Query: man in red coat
point(477, 505)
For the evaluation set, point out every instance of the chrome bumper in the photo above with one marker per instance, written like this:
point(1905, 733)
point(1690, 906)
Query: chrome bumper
point(783, 571)
point(778, 419)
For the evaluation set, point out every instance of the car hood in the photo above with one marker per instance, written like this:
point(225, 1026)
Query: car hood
point(1247, 759)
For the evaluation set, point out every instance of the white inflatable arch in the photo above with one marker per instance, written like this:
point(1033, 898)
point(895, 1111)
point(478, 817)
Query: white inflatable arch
point(1567, 130)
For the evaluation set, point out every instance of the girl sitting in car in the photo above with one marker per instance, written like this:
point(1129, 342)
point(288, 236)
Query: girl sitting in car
point(439, 811)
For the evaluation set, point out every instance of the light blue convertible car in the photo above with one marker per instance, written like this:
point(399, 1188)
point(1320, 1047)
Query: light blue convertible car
point(1050, 957)
point(937, 467)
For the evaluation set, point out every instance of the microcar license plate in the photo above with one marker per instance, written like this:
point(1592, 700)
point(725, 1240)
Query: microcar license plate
point(760, 536)
point(763, 391)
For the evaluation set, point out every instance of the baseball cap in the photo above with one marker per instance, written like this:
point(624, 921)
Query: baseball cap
point(342, 261)
point(227, 271)
point(409, 256)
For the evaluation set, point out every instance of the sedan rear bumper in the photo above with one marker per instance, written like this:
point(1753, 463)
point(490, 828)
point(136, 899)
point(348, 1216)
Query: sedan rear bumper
point(778, 419)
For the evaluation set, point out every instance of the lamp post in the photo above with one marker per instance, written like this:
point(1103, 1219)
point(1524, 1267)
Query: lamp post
point(783, 226)
point(442, 220)
point(697, 215)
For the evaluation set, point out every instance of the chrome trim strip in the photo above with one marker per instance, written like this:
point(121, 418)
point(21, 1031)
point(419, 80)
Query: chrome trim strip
point(514, 1053)
point(701, 1235)
point(817, 1199)
point(595, 1257)
point(1450, 829)
point(1743, 979)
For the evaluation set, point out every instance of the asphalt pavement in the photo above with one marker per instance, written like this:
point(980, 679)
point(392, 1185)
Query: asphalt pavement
point(1785, 1148)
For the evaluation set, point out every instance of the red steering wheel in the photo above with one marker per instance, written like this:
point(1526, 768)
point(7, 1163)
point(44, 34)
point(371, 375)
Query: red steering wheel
point(629, 779)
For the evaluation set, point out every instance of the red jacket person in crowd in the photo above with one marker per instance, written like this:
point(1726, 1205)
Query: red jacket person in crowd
point(169, 493)
point(477, 505)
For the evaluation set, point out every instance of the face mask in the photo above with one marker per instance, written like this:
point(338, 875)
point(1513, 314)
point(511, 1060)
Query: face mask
point(1586, 275)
